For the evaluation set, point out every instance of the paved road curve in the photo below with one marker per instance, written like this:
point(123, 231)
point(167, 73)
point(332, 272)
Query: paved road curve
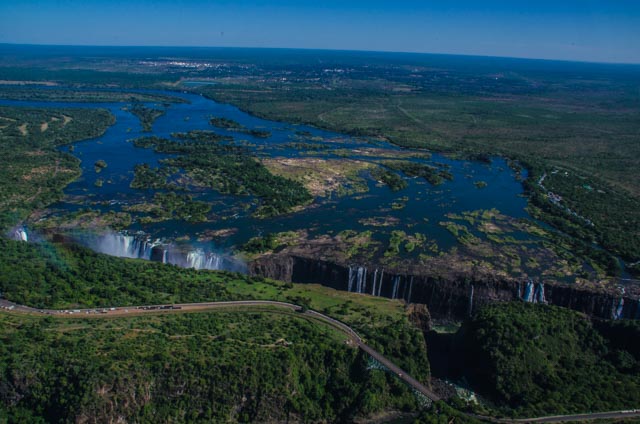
point(119, 311)
point(309, 314)
point(577, 417)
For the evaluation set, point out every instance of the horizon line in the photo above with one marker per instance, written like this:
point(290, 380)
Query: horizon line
point(325, 49)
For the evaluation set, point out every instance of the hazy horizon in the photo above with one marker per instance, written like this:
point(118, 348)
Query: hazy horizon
point(572, 30)
point(330, 50)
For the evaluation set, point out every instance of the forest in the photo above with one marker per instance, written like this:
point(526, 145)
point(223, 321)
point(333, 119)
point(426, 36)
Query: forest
point(523, 359)
point(580, 118)
point(224, 167)
point(535, 360)
point(34, 170)
point(590, 210)
point(198, 367)
point(147, 115)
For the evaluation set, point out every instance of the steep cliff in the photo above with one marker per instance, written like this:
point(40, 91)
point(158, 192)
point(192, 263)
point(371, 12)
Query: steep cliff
point(450, 296)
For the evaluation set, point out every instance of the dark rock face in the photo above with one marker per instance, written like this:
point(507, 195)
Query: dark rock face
point(419, 315)
point(445, 298)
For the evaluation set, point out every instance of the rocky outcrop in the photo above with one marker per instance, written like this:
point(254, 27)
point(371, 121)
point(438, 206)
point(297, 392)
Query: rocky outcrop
point(450, 297)
point(420, 317)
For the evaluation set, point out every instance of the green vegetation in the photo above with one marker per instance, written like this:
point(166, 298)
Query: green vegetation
point(258, 133)
point(82, 96)
point(230, 124)
point(228, 169)
point(196, 135)
point(174, 206)
point(145, 177)
point(322, 177)
point(99, 165)
point(147, 115)
point(540, 250)
point(221, 122)
point(261, 244)
point(94, 368)
point(196, 367)
point(460, 232)
point(441, 413)
point(34, 171)
point(390, 179)
point(582, 119)
point(538, 360)
point(400, 241)
point(357, 244)
point(68, 276)
point(588, 210)
point(306, 146)
point(480, 184)
point(85, 219)
point(413, 169)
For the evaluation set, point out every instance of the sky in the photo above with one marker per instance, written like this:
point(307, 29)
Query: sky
point(582, 30)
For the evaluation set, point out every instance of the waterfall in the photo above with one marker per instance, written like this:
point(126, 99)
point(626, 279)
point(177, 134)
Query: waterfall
point(20, 234)
point(124, 245)
point(380, 282)
point(533, 293)
point(410, 289)
point(396, 282)
point(471, 301)
point(364, 281)
point(617, 312)
point(540, 297)
point(529, 292)
point(351, 279)
point(140, 246)
point(199, 259)
point(357, 282)
point(360, 278)
point(519, 289)
point(375, 275)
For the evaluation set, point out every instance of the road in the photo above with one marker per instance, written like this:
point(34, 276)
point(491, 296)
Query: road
point(308, 314)
point(634, 413)
point(184, 307)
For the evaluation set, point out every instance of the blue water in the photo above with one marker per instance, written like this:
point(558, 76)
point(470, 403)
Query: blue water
point(426, 207)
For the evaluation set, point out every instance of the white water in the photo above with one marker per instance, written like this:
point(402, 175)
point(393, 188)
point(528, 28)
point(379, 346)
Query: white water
point(533, 293)
point(396, 283)
point(618, 311)
point(363, 289)
point(351, 279)
point(410, 289)
point(357, 282)
point(529, 292)
point(471, 301)
point(20, 234)
point(124, 246)
point(375, 276)
point(198, 259)
point(540, 297)
point(140, 247)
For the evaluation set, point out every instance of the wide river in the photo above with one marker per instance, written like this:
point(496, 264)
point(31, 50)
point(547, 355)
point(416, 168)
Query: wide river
point(425, 206)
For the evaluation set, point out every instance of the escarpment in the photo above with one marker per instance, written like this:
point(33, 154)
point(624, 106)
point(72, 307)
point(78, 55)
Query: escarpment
point(453, 296)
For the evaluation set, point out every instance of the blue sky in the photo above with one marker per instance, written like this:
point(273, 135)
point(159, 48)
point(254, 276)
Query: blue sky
point(589, 30)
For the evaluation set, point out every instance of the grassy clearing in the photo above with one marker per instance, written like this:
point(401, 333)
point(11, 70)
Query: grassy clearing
point(322, 177)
